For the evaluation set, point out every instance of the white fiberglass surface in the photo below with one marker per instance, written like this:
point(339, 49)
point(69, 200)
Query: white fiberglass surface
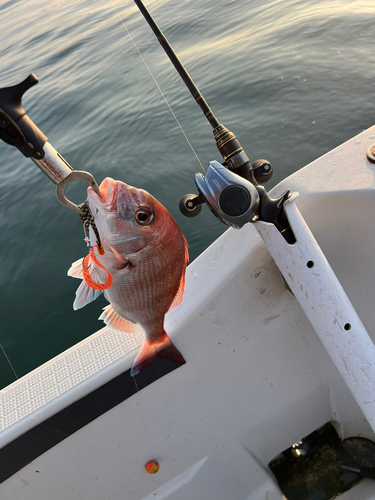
point(257, 377)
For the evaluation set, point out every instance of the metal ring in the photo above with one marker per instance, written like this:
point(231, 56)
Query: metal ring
point(76, 175)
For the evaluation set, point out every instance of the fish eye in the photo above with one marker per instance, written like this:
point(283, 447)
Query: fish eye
point(144, 216)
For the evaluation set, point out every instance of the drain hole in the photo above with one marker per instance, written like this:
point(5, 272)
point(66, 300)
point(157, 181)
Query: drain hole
point(310, 264)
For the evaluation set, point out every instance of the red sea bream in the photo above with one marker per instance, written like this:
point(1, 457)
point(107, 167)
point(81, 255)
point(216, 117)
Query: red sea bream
point(144, 262)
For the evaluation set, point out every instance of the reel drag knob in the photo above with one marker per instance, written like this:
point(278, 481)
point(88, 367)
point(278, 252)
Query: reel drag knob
point(190, 205)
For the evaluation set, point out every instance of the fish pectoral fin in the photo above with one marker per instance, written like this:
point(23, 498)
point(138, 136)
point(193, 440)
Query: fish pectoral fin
point(75, 270)
point(114, 320)
point(84, 295)
point(122, 261)
point(151, 350)
point(97, 273)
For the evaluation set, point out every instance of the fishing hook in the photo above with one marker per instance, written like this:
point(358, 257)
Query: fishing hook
point(86, 224)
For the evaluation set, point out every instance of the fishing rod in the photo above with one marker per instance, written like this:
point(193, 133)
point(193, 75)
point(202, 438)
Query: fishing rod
point(232, 189)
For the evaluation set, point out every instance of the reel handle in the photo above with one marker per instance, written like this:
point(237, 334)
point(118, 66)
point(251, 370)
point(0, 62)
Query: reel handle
point(191, 205)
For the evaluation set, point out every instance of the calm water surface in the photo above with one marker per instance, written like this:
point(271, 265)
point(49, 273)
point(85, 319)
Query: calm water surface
point(291, 78)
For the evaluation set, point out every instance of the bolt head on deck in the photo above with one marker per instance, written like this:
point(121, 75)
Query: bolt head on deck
point(371, 153)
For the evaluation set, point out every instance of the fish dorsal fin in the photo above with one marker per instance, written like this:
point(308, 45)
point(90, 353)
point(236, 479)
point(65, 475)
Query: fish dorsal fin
point(112, 319)
point(84, 295)
point(180, 292)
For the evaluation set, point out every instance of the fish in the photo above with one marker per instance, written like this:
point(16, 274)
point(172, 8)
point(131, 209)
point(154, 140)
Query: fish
point(139, 265)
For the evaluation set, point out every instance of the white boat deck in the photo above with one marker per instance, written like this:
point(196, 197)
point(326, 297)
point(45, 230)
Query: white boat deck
point(256, 380)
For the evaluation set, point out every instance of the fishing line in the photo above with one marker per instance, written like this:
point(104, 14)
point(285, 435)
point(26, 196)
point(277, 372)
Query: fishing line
point(54, 430)
point(10, 364)
point(157, 85)
point(135, 383)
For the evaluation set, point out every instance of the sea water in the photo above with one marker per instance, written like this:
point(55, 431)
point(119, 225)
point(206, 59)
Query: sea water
point(292, 79)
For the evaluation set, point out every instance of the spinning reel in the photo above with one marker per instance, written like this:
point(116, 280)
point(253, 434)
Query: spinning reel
point(233, 190)
point(237, 199)
point(234, 200)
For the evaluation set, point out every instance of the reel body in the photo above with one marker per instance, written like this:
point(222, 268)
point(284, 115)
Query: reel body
point(231, 198)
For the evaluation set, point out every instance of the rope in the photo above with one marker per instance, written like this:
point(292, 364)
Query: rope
point(88, 220)
point(86, 275)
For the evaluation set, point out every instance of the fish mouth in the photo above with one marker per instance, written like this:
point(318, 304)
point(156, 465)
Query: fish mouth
point(116, 197)
point(108, 195)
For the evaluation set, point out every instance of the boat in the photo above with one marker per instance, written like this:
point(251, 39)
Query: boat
point(275, 399)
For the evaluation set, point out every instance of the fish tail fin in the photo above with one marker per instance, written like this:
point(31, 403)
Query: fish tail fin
point(150, 350)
